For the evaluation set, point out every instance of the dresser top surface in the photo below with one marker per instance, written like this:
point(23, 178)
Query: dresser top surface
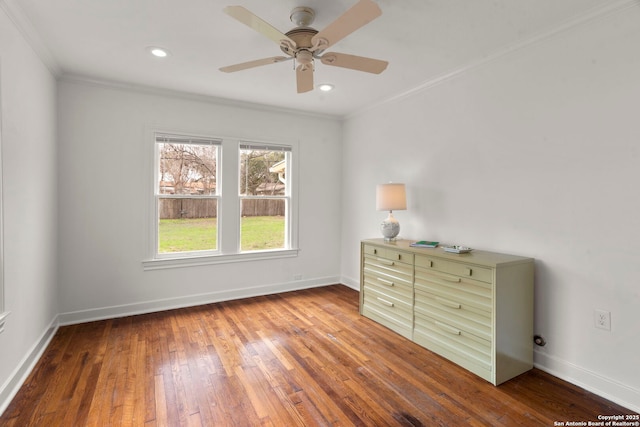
point(478, 257)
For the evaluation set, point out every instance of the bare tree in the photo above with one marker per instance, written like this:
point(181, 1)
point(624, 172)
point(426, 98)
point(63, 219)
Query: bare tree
point(190, 168)
point(254, 172)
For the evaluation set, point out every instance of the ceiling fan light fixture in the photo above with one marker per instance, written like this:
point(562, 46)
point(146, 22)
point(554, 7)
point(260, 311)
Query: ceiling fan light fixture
point(326, 87)
point(304, 57)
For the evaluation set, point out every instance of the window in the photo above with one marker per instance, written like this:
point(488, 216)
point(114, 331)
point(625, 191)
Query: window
point(264, 197)
point(220, 200)
point(187, 194)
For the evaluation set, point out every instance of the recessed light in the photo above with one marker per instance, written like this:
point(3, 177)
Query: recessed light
point(325, 87)
point(158, 52)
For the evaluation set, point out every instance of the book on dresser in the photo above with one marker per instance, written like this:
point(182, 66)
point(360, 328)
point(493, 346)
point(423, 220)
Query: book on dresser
point(475, 308)
point(424, 244)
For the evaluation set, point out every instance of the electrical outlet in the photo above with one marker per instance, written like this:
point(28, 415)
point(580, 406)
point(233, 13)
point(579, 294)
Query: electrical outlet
point(603, 319)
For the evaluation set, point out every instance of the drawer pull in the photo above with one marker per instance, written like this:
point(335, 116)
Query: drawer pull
point(385, 302)
point(448, 303)
point(448, 328)
point(375, 252)
point(385, 282)
point(386, 262)
point(452, 279)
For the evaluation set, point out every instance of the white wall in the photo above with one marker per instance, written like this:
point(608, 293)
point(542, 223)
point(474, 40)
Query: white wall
point(536, 153)
point(27, 94)
point(105, 167)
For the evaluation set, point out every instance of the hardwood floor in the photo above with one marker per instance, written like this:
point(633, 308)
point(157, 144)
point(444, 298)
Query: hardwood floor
point(304, 358)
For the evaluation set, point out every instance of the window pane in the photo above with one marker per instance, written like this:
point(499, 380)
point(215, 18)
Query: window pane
point(187, 224)
point(187, 169)
point(263, 224)
point(262, 172)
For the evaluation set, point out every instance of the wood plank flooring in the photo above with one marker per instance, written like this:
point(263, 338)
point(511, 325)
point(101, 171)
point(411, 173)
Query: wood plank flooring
point(304, 358)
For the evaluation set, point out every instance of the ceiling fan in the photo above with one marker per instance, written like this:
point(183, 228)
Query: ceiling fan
point(303, 44)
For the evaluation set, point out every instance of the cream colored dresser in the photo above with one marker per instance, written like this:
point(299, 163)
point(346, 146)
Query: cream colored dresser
point(475, 309)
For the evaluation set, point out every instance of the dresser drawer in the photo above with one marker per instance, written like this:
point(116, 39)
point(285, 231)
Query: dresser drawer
point(471, 293)
point(389, 254)
point(466, 346)
point(395, 306)
point(389, 271)
point(459, 269)
point(389, 310)
point(453, 312)
point(389, 285)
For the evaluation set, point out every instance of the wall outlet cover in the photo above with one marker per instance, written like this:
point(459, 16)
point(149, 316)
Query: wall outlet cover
point(602, 319)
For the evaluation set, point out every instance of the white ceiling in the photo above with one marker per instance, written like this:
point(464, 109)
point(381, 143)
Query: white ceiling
point(423, 40)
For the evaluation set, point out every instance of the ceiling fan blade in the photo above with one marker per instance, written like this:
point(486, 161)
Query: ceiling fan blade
point(252, 64)
point(304, 78)
point(263, 27)
point(358, 16)
point(354, 62)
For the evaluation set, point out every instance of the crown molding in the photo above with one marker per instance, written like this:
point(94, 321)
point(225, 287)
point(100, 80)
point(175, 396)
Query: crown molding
point(154, 90)
point(30, 34)
point(601, 11)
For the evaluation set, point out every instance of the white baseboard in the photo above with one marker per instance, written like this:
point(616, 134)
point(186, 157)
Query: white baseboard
point(10, 388)
point(351, 283)
point(592, 381)
point(189, 301)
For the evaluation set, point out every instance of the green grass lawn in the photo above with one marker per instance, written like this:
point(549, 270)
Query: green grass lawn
point(200, 234)
point(261, 232)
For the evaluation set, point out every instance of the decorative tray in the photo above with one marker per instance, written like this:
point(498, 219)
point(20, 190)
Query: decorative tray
point(457, 249)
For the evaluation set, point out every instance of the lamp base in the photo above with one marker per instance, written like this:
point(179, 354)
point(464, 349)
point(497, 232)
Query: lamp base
point(390, 228)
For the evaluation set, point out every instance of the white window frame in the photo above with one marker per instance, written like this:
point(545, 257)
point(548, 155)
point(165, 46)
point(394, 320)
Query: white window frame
point(287, 149)
point(228, 248)
point(183, 139)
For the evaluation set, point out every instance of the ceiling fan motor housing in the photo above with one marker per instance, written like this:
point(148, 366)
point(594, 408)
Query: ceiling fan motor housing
point(302, 37)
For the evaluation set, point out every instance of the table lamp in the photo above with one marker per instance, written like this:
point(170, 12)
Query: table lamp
point(390, 197)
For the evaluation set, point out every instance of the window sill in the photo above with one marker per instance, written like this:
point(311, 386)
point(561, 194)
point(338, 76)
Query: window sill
point(194, 261)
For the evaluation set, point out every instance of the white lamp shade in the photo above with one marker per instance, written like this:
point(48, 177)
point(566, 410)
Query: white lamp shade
point(391, 197)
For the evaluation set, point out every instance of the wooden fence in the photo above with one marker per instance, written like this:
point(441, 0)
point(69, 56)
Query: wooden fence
point(208, 208)
point(263, 207)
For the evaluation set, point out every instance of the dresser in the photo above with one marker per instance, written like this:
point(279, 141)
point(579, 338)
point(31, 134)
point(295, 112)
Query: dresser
point(475, 309)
